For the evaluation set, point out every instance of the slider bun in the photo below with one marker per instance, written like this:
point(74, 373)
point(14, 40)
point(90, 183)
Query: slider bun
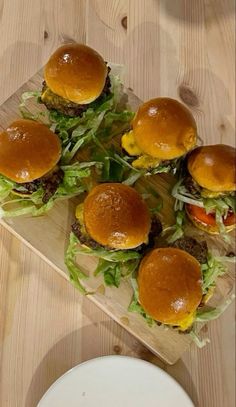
point(214, 167)
point(169, 283)
point(116, 216)
point(28, 150)
point(164, 128)
point(76, 72)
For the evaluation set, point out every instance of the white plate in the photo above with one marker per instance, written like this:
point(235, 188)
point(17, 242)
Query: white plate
point(115, 381)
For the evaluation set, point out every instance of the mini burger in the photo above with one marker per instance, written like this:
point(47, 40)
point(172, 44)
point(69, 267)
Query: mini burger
point(163, 130)
point(170, 286)
point(75, 77)
point(208, 188)
point(114, 224)
point(30, 173)
point(175, 284)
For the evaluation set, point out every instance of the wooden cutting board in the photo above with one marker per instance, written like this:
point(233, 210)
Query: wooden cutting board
point(48, 237)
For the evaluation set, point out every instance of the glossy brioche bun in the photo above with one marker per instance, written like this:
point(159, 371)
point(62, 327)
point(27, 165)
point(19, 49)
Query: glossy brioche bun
point(169, 282)
point(76, 72)
point(214, 167)
point(116, 216)
point(28, 150)
point(164, 128)
point(212, 228)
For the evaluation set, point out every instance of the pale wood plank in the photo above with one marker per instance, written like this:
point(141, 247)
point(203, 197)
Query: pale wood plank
point(46, 326)
point(30, 31)
point(167, 344)
point(208, 375)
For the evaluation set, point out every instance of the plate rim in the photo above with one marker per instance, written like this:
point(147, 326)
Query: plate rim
point(124, 357)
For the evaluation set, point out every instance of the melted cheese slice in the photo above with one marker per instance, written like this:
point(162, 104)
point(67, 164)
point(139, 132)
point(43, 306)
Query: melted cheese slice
point(143, 161)
point(208, 295)
point(79, 214)
point(187, 322)
point(146, 161)
point(129, 144)
point(205, 193)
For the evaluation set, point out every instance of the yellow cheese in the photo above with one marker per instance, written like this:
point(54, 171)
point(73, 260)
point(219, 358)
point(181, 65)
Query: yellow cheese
point(128, 144)
point(46, 94)
point(146, 161)
point(187, 322)
point(205, 193)
point(79, 214)
point(208, 295)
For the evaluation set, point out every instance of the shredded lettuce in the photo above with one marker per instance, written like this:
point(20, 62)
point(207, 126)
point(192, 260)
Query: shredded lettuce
point(113, 264)
point(116, 89)
point(208, 314)
point(113, 272)
point(182, 195)
point(75, 273)
point(220, 206)
point(6, 187)
point(72, 184)
point(178, 231)
point(211, 270)
point(172, 167)
point(104, 116)
point(115, 168)
point(110, 255)
point(25, 113)
point(135, 305)
point(198, 341)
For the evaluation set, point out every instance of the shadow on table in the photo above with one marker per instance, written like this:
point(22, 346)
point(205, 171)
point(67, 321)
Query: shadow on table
point(210, 100)
point(198, 12)
point(14, 72)
point(87, 343)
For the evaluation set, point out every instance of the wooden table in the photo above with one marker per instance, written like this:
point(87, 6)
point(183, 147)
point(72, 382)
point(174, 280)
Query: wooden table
point(170, 47)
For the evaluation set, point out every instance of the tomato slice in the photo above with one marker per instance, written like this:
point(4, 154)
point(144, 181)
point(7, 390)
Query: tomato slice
point(209, 218)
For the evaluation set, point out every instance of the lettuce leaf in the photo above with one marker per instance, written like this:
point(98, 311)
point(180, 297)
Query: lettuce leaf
point(25, 113)
point(178, 230)
point(199, 341)
point(172, 167)
point(135, 305)
point(114, 265)
point(209, 314)
point(115, 168)
point(111, 272)
point(121, 256)
point(221, 206)
point(103, 116)
point(75, 273)
point(6, 187)
point(211, 270)
point(205, 315)
point(72, 184)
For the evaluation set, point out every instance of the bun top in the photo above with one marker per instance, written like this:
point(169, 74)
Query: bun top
point(76, 72)
point(164, 128)
point(214, 167)
point(116, 216)
point(169, 283)
point(28, 150)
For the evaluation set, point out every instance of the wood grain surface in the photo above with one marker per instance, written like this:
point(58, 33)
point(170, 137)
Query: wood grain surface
point(172, 47)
